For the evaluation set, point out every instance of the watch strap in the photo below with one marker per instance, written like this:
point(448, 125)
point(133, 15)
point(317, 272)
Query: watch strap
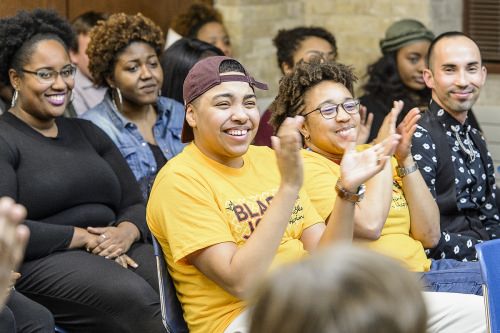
point(402, 171)
point(350, 196)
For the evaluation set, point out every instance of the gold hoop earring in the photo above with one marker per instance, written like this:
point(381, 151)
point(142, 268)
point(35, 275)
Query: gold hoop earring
point(14, 98)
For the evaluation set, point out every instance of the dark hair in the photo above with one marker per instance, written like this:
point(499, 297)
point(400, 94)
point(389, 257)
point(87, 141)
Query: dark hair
point(83, 23)
point(290, 99)
point(231, 65)
point(288, 41)
point(178, 59)
point(20, 34)
point(449, 34)
point(109, 38)
point(385, 84)
point(188, 24)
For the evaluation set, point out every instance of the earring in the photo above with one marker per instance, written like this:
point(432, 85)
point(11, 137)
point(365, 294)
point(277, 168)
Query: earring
point(14, 98)
point(118, 94)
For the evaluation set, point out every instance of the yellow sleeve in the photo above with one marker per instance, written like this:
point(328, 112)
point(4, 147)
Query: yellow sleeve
point(319, 183)
point(183, 211)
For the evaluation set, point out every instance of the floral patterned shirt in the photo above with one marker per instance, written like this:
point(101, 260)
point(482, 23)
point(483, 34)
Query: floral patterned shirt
point(470, 180)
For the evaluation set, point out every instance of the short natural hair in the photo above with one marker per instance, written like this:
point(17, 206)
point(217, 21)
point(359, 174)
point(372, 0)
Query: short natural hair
point(109, 38)
point(20, 34)
point(305, 75)
point(189, 23)
point(449, 34)
point(342, 289)
point(288, 41)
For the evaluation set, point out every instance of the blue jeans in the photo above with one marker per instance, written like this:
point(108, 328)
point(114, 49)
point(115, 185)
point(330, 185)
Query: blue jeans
point(453, 276)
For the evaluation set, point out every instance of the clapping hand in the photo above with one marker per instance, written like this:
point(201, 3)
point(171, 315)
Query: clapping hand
point(358, 167)
point(287, 145)
point(389, 124)
point(406, 129)
point(365, 125)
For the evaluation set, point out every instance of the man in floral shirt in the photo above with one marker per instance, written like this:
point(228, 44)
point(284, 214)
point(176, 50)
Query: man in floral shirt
point(451, 155)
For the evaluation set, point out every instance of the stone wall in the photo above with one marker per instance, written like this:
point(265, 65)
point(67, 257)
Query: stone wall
point(358, 26)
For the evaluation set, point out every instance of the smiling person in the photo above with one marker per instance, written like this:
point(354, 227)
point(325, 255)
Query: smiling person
point(124, 56)
point(86, 258)
point(398, 216)
point(453, 155)
point(235, 211)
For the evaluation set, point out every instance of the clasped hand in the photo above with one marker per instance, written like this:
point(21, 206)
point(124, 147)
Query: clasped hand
point(112, 243)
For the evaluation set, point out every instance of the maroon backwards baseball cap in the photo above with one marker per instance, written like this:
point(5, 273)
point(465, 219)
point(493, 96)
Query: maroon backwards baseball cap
point(205, 75)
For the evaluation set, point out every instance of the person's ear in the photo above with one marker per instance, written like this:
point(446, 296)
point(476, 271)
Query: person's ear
point(428, 78)
point(111, 82)
point(484, 73)
point(191, 115)
point(286, 68)
point(304, 131)
point(15, 79)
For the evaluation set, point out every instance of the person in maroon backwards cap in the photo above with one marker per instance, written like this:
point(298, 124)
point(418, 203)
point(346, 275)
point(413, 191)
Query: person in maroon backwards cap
point(226, 212)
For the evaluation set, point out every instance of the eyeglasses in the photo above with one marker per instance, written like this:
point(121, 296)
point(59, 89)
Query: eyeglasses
point(49, 76)
point(320, 56)
point(329, 111)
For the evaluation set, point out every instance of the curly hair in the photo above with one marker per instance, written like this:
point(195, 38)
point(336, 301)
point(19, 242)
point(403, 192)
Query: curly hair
point(199, 14)
point(385, 84)
point(108, 39)
point(287, 42)
point(20, 34)
point(290, 99)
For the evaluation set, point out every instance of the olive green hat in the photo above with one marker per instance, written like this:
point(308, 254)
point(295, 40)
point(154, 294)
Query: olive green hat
point(404, 32)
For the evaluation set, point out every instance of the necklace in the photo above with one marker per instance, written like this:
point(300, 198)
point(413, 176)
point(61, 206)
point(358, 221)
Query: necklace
point(469, 150)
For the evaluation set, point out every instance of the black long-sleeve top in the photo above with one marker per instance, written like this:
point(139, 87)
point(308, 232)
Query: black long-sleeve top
point(78, 179)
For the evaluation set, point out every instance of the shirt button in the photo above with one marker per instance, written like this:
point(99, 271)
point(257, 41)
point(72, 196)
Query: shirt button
point(153, 169)
point(144, 144)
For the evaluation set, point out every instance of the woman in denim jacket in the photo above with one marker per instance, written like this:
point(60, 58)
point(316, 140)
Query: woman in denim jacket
point(124, 56)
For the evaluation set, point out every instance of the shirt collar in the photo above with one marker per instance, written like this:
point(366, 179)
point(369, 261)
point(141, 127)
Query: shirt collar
point(448, 122)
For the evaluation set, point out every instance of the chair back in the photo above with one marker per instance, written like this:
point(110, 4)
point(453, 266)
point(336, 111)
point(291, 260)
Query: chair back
point(489, 254)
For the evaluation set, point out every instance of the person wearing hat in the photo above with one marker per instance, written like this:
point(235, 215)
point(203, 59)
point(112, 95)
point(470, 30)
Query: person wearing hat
point(397, 75)
point(226, 212)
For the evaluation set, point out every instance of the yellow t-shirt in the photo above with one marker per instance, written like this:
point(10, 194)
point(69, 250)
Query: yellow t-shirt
point(197, 202)
point(395, 240)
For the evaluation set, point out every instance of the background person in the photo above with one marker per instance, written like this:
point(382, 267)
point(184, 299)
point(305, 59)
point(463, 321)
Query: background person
point(178, 59)
point(204, 22)
point(124, 56)
point(86, 94)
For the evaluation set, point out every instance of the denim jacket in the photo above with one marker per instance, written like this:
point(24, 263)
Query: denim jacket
point(167, 132)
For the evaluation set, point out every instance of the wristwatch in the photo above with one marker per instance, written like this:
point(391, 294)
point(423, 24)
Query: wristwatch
point(350, 196)
point(402, 171)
